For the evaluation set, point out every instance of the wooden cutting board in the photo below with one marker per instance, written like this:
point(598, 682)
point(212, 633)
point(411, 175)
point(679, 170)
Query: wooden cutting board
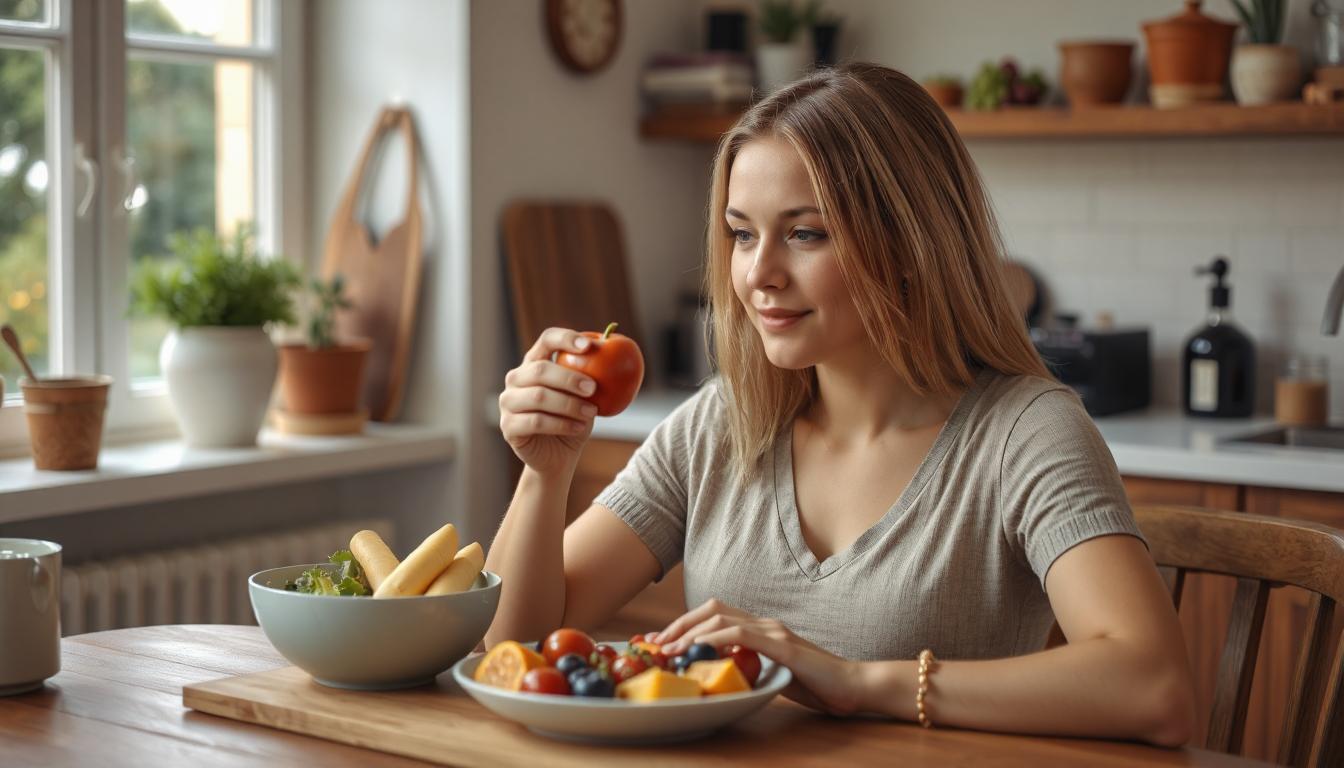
point(567, 268)
point(382, 277)
point(441, 723)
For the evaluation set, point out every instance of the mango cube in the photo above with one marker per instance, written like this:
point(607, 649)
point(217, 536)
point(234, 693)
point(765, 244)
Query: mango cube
point(654, 684)
point(721, 676)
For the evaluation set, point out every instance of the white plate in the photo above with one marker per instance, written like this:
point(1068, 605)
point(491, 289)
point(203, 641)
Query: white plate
point(616, 721)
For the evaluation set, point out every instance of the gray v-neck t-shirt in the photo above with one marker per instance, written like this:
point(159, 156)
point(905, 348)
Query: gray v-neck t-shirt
point(1017, 476)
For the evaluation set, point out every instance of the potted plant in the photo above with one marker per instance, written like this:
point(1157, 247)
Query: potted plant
point(323, 375)
point(218, 361)
point(1264, 71)
point(946, 90)
point(784, 54)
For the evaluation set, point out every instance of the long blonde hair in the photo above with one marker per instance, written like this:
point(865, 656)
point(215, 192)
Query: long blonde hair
point(913, 234)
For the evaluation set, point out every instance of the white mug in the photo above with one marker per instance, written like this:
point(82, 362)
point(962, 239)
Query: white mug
point(30, 613)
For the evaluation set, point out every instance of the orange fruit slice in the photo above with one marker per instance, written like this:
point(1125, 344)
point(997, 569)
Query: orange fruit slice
point(506, 663)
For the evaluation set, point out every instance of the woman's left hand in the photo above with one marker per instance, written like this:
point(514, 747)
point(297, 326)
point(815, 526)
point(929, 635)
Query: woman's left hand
point(821, 680)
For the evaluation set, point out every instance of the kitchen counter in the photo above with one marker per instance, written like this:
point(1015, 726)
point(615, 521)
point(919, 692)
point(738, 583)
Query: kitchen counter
point(1157, 442)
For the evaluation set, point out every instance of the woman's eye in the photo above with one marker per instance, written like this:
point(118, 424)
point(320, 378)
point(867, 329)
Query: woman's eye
point(741, 235)
point(808, 235)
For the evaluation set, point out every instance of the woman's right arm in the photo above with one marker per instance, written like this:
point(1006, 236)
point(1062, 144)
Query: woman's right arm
point(553, 577)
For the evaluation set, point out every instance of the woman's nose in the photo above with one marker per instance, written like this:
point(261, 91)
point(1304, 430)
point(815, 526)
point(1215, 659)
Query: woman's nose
point(767, 266)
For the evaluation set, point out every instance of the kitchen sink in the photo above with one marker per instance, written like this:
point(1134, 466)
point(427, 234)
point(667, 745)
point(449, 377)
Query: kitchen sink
point(1330, 438)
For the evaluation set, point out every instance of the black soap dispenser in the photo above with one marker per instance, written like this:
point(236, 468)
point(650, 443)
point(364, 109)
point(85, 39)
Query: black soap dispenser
point(1218, 376)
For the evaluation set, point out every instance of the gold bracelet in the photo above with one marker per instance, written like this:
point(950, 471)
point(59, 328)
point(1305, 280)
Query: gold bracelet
point(926, 661)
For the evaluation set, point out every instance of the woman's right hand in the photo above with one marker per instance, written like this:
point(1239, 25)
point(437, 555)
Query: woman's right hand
point(542, 411)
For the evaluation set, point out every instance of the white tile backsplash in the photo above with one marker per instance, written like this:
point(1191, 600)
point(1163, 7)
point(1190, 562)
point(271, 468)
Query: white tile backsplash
point(1155, 211)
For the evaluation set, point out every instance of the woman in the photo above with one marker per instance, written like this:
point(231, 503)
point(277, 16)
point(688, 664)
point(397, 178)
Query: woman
point(867, 354)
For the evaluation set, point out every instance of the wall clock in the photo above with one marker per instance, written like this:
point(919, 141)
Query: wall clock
point(584, 33)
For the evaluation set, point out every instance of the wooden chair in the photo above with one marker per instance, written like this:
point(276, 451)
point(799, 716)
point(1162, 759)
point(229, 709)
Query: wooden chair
point(1263, 553)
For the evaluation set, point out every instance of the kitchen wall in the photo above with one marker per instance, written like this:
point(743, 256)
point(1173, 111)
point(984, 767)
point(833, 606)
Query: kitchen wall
point(1118, 226)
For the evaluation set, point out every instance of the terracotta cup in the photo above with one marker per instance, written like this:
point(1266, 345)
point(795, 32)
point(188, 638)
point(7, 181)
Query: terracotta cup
point(1095, 72)
point(948, 95)
point(322, 381)
point(65, 420)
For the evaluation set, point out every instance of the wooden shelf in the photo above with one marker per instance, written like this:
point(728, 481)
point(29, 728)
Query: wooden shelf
point(706, 124)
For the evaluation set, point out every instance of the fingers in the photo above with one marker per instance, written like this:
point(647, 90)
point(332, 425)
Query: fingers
point(692, 635)
point(554, 340)
point(544, 400)
point(693, 617)
point(544, 373)
point(759, 636)
point(520, 425)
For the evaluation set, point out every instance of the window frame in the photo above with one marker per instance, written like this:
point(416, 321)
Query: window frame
point(89, 257)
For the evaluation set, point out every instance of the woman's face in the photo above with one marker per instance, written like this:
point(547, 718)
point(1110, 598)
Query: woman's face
point(784, 271)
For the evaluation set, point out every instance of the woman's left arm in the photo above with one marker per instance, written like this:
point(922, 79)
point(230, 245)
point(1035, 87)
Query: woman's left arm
point(1123, 674)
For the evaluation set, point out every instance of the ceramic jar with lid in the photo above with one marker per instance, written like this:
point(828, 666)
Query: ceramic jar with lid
point(1188, 57)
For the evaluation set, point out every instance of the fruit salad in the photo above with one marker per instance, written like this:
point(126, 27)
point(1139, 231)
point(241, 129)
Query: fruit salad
point(570, 663)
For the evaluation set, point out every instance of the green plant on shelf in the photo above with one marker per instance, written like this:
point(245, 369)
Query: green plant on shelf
point(1263, 19)
point(780, 20)
point(215, 280)
point(327, 297)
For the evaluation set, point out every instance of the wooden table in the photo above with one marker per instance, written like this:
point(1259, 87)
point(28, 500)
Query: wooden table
point(118, 701)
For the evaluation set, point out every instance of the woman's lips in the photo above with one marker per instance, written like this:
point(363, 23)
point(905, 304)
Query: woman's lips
point(779, 320)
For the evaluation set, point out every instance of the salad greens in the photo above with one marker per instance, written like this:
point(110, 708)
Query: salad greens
point(348, 580)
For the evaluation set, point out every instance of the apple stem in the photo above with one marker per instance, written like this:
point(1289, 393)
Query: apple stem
point(607, 332)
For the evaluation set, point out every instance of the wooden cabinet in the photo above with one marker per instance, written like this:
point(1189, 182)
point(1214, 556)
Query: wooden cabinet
point(1206, 603)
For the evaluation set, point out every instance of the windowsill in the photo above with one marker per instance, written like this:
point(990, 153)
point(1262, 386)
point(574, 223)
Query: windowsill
point(159, 470)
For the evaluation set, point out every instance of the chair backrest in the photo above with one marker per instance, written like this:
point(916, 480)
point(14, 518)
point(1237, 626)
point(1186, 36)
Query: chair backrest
point(1262, 553)
point(566, 267)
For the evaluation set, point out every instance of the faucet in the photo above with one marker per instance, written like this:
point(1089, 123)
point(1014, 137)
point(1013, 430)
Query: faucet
point(1334, 304)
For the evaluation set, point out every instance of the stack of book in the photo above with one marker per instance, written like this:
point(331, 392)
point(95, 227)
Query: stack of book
point(715, 77)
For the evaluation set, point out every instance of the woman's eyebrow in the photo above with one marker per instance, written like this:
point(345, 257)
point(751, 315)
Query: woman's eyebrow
point(789, 214)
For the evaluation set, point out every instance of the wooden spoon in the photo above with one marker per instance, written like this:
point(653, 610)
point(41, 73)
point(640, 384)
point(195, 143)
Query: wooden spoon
point(12, 339)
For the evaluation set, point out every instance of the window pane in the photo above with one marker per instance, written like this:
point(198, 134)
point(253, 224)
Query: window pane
point(190, 128)
point(23, 209)
point(226, 22)
point(24, 10)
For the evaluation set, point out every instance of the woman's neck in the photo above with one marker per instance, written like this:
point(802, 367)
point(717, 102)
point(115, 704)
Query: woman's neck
point(861, 399)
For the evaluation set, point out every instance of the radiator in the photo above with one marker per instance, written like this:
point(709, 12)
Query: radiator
point(204, 584)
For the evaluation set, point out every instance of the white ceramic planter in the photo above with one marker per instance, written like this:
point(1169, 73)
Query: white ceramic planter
point(219, 382)
point(778, 64)
point(1264, 74)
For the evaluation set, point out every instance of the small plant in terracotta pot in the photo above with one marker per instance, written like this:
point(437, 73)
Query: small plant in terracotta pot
point(946, 90)
point(1264, 71)
point(323, 376)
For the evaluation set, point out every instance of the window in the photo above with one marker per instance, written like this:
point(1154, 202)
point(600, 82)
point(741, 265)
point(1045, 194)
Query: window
point(122, 122)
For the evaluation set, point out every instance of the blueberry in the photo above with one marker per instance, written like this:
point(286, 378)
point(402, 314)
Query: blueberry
point(680, 663)
point(540, 646)
point(579, 674)
point(570, 662)
point(701, 652)
point(592, 685)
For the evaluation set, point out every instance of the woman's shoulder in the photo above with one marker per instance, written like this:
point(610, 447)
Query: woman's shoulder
point(1007, 399)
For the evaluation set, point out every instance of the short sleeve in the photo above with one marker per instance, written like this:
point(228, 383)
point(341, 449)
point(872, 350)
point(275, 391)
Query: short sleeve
point(651, 494)
point(1059, 485)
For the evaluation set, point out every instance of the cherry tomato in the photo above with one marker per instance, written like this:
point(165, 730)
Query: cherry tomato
point(563, 641)
point(546, 680)
point(748, 661)
point(636, 639)
point(615, 363)
point(656, 659)
point(626, 667)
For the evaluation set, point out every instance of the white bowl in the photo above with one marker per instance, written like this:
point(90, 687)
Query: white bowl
point(368, 644)
point(617, 721)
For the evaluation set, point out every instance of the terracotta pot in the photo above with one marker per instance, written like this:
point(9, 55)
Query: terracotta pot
point(65, 420)
point(1095, 72)
point(948, 95)
point(322, 381)
point(1264, 74)
point(1188, 56)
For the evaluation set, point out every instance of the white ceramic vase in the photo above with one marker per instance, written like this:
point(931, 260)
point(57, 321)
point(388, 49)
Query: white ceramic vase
point(219, 382)
point(1264, 74)
point(778, 64)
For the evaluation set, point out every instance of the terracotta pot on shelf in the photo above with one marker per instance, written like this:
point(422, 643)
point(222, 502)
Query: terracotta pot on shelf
point(322, 381)
point(1095, 72)
point(948, 95)
point(65, 420)
point(1188, 57)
